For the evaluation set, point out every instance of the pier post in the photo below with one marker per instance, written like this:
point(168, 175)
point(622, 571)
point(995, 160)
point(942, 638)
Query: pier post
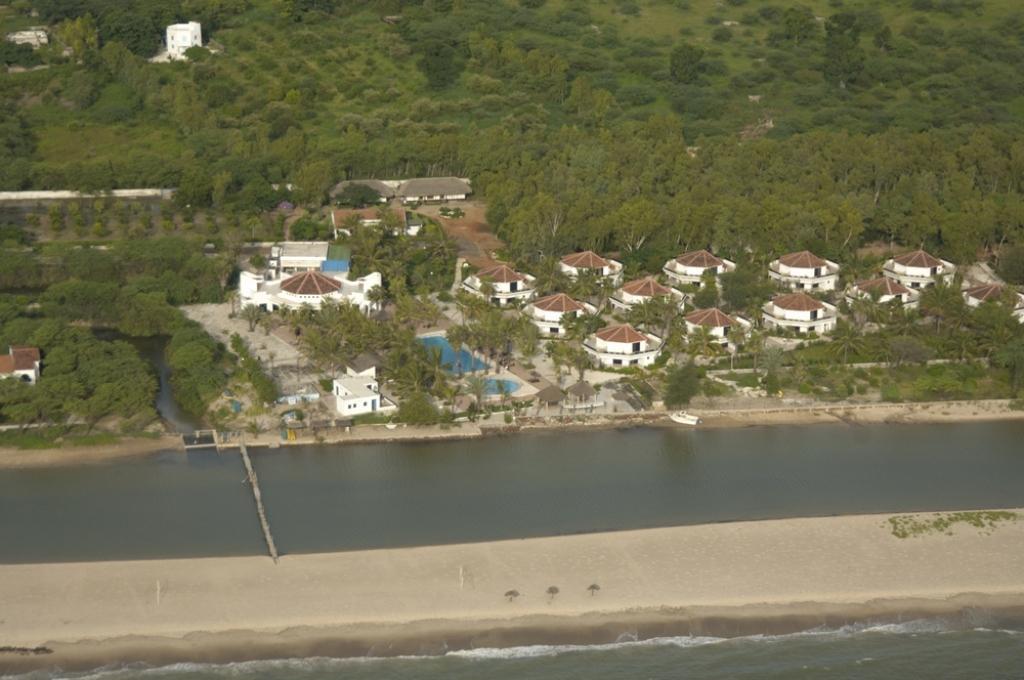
point(260, 511)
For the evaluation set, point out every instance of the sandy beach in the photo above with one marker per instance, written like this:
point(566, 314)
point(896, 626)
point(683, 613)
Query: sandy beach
point(73, 455)
point(719, 579)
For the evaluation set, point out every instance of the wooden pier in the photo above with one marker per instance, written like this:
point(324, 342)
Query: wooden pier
point(254, 482)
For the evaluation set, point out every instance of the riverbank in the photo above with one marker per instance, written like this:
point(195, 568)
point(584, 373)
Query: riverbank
point(724, 579)
point(76, 455)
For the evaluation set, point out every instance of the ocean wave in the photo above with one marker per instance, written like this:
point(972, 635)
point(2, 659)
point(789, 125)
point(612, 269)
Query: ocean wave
point(533, 651)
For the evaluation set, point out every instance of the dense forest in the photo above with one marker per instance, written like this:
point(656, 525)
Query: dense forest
point(636, 126)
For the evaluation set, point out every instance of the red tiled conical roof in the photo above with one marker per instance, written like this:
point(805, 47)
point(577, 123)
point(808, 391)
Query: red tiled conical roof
point(559, 302)
point(310, 283)
point(623, 333)
point(588, 259)
point(917, 258)
point(699, 258)
point(710, 317)
point(501, 273)
point(646, 287)
point(884, 286)
point(804, 259)
point(798, 302)
point(986, 292)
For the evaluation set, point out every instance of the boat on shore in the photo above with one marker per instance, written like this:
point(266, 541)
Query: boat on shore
point(684, 418)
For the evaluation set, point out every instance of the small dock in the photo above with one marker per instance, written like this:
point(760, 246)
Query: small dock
point(254, 482)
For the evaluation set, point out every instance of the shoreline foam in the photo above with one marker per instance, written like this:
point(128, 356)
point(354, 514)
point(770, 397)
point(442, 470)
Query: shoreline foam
point(723, 580)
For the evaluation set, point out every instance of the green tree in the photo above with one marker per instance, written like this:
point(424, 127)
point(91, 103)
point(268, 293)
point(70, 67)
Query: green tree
point(844, 58)
point(685, 61)
point(682, 385)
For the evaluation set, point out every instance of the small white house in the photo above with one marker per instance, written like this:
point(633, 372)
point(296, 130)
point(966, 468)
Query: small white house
point(804, 271)
point(623, 345)
point(800, 313)
point(979, 295)
point(589, 261)
point(506, 284)
point(181, 37)
point(34, 37)
point(884, 290)
point(722, 327)
point(299, 256)
point(21, 363)
point(918, 269)
point(550, 314)
point(689, 268)
point(641, 290)
point(356, 396)
point(364, 366)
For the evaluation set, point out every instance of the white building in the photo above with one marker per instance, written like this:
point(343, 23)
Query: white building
point(689, 268)
point(506, 284)
point(181, 37)
point(356, 396)
point(575, 264)
point(992, 292)
point(623, 345)
point(308, 288)
point(918, 269)
point(642, 290)
point(800, 313)
point(722, 327)
point(21, 363)
point(550, 314)
point(804, 271)
point(299, 256)
point(884, 290)
point(34, 37)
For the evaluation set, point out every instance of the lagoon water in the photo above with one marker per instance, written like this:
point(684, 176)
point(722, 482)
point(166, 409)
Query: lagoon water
point(539, 484)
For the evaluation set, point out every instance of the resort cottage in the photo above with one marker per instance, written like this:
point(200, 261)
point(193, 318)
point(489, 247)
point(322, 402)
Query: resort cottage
point(21, 363)
point(800, 313)
point(689, 268)
point(722, 327)
point(573, 265)
point(364, 366)
point(356, 396)
point(642, 290)
point(991, 292)
point(623, 345)
point(918, 269)
point(883, 290)
point(804, 271)
point(182, 37)
point(550, 314)
point(416, 190)
point(500, 284)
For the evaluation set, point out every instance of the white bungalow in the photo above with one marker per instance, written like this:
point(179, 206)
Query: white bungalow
point(21, 363)
point(800, 313)
point(356, 396)
point(182, 37)
point(573, 265)
point(549, 314)
point(804, 271)
point(992, 292)
point(299, 256)
point(507, 285)
point(308, 288)
point(721, 326)
point(689, 268)
point(642, 290)
point(884, 290)
point(623, 345)
point(918, 269)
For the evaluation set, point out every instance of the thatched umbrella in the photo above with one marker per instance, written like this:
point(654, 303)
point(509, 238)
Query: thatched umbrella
point(582, 392)
point(550, 395)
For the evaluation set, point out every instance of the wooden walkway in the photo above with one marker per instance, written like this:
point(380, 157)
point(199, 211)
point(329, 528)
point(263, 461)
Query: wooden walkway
point(254, 482)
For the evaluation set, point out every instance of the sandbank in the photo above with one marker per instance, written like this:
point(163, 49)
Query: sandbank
point(723, 579)
point(74, 455)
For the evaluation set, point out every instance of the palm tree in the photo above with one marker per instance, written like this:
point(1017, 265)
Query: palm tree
point(702, 342)
point(593, 588)
point(477, 386)
point(252, 314)
point(552, 591)
point(845, 339)
point(941, 301)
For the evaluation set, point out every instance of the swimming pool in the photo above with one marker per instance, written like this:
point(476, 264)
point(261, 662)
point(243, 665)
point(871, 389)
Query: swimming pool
point(461, 361)
point(494, 386)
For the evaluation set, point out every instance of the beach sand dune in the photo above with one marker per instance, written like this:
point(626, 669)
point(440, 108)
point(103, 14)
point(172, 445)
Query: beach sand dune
point(723, 579)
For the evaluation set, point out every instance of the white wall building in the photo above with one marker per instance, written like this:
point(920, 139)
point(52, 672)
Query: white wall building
point(804, 271)
point(21, 363)
point(34, 37)
point(689, 268)
point(180, 37)
point(799, 313)
point(641, 290)
point(576, 263)
point(356, 396)
point(885, 290)
point(918, 269)
point(299, 256)
point(550, 314)
point(311, 288)
point(623, 346)
point(979, 295)
point(722, 327)
point(506, 284)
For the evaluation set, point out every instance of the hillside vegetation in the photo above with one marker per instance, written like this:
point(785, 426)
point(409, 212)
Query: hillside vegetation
point(641, 126)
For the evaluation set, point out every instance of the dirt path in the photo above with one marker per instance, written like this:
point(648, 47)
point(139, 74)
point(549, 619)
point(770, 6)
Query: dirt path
point(475, 240)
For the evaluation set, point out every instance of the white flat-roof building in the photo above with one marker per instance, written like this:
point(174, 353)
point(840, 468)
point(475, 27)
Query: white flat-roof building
point(690, 268)
point(506, 284)
point(641, 290)
point(722, 327)
point(34, 37)
point(800, 313)
point(918, 269)
point(550, 314)
point(21, 363)
point(623, 345)
point(357, 396)
point(804, 271)
point(993, 292)
point(884, 290)
point(588, 261)
point(181, 37)
point(299, 256)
